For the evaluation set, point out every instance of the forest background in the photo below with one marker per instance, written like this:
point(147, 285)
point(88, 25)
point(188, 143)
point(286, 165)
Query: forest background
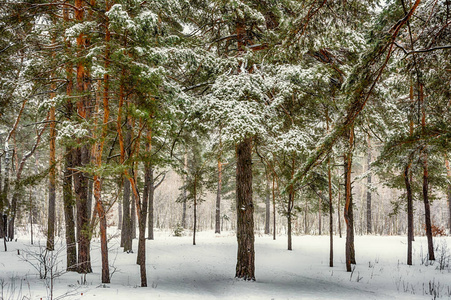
point(289, 117)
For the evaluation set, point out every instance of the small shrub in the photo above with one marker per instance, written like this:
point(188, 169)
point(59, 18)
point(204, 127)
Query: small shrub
point(178, 230)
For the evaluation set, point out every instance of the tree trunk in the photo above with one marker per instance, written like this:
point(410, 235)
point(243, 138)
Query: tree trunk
point(245, 266)
point(126, 235)
point(331, 224)
point(71, 248)
point(267, 205)
point(427, 207)
point(52, 182)
point(81, 154)
point(142, 210)
point(184, 191)
point(348, 211)
point(151, 205)
point(409, 214)
point(368, 191)
point(448, 172)
point(31, 220)
point(100, 207)
point(290, 247)
point(133, 215)
point(90, 196)
point(80, 159)
point(320, 205)
point(218, 200)
point(12, 216)
point(195, 210)
point(119, 207)
point(68, 197)
point(274, 207)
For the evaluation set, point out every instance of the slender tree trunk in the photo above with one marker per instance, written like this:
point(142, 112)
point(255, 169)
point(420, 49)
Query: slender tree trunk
point(31, 218)
point(100, 208)
point(368, 191)
point(133, 215)
point(218, 199)
point(195, 209)
point(448, 172)
point(151, 205)
point(320, 205)
point(80, 159)
point(245, 266)
point(409, 214)
point(267, 205)
point(119, 207)
point(68, 197)
point(142, 210)
point(52, 180)
point(290, 206)
point(90, 196)
point(427, 206)
point(71, 248)
point(98, 152)
point(126, 237)
point(12, 217)
point(331, 224)
point(348, 211)
point(81, 154)
point(290, 246)
point(142, 243)
point(127, 224)
point(274, 207)
point(329, 185)
point(184, 191)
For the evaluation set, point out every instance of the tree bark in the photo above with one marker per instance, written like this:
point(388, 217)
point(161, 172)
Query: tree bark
point(348, 211)
point(368, 191)
point(80, 159)
point(320, 205)
point(52, 180)
point(245, 266)
point(290, 206)
point(218, 200)
point(142, 210)
point(68, 197)
point(151, 205)
point(274, 206)
point(133, 214)
point(331, 224)
point(81, 154)
point(126, 235)
point(71, 248)
point(119, 207)
point(12, 216)
point(195, 209)
point(184, 191)
point(267, 205)
point(409, 213)
point(427, 206)
point(448, 172)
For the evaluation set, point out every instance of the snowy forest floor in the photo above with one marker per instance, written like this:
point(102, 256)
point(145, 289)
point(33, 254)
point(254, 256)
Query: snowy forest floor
point(178, 270)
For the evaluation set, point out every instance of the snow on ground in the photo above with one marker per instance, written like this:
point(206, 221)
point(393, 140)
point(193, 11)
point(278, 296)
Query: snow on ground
point(178, 270)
